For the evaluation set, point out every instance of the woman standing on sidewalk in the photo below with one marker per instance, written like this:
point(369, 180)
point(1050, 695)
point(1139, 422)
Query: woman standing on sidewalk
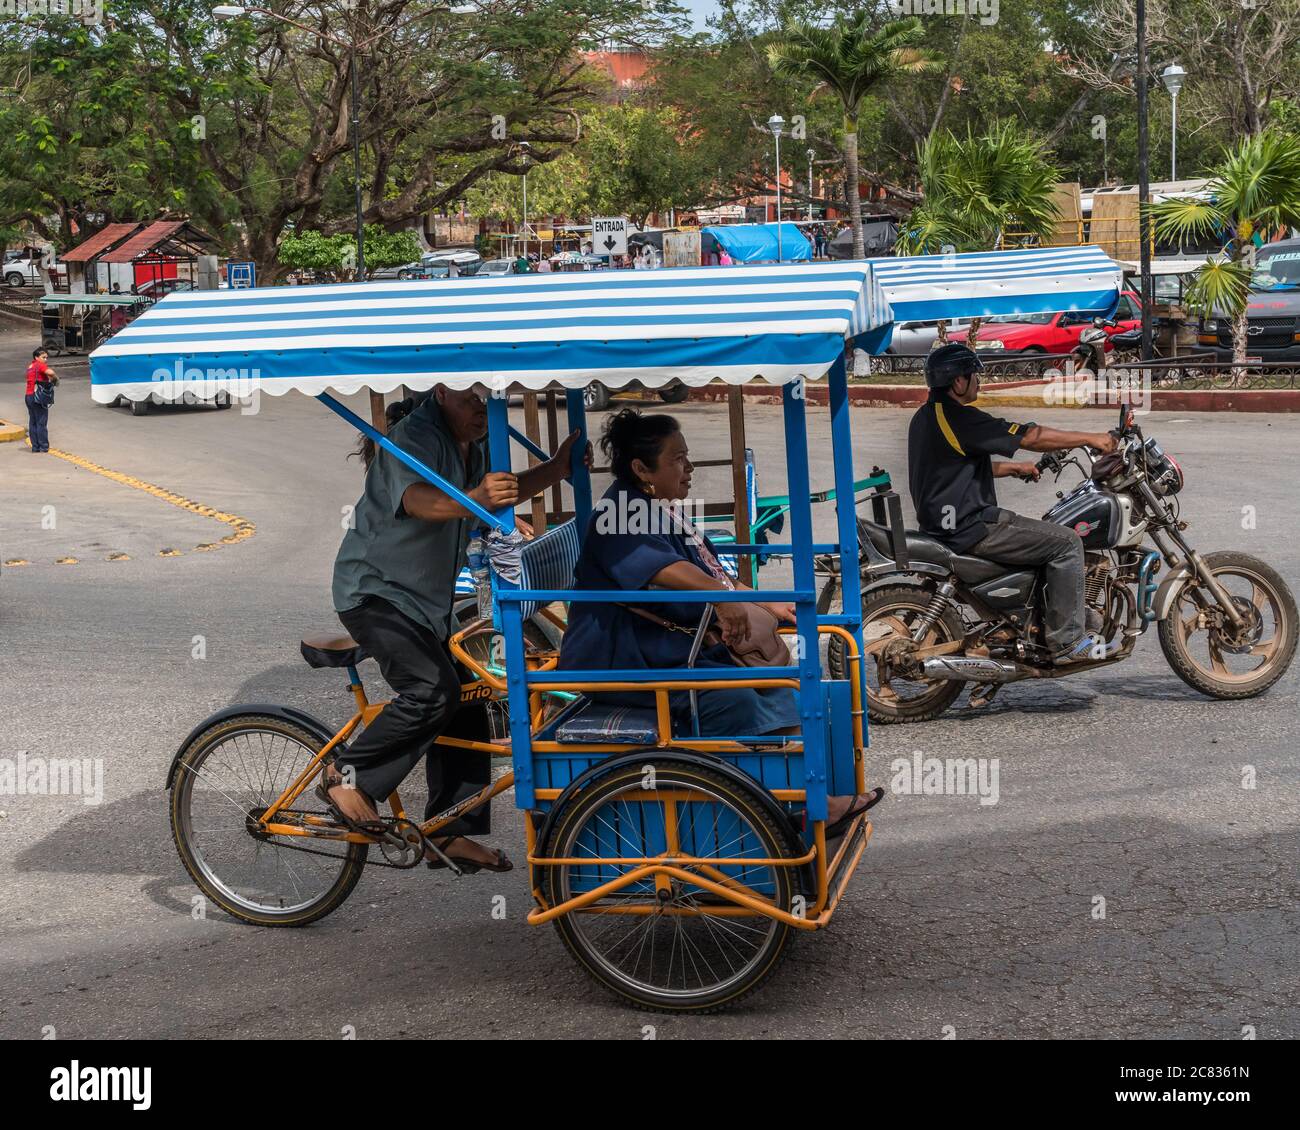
point(40, 395)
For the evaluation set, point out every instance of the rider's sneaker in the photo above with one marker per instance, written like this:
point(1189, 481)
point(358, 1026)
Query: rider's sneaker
point(1089, 649)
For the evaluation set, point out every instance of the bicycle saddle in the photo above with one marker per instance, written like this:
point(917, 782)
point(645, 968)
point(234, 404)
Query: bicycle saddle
point(332, 651)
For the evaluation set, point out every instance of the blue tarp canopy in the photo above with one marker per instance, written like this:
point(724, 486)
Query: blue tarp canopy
point(777, 323)
point(756, 243)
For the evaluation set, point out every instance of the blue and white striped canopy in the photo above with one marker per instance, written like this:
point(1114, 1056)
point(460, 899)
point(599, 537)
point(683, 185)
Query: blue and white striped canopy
point(776, 323)
point(927, 288)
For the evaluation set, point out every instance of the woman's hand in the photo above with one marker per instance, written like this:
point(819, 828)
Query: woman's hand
point(783, 612)
point(733, 623)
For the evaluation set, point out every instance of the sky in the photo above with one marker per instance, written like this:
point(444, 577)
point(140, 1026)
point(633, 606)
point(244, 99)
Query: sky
point(700, 9)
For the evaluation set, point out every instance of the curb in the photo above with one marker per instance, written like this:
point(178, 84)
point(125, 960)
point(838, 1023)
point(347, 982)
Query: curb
point(910, 396)
point(12, 433)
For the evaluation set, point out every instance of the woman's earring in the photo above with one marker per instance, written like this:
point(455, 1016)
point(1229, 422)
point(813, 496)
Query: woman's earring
point(649, 488)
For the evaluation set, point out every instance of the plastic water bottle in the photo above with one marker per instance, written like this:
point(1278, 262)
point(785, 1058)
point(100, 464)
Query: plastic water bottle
point(478, 568)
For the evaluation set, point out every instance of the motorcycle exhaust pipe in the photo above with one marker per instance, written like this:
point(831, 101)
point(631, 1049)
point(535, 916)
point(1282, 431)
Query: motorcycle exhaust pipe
point(971, 669)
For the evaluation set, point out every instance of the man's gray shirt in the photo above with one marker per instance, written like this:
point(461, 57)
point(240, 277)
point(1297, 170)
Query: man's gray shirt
point(409, 562)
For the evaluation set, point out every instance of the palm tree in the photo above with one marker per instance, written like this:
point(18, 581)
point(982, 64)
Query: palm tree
point(849, 58)
point(981, 191)
point(1254, 192)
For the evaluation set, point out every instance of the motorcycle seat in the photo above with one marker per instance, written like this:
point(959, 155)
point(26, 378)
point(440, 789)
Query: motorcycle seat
point(920, 547)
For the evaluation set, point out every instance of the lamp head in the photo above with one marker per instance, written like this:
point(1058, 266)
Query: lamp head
point(776, 124)
point(1173, 76)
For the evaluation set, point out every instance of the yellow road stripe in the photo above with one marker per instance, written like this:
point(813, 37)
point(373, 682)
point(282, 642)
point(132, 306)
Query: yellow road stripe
point(946, 428)
point(242, 527)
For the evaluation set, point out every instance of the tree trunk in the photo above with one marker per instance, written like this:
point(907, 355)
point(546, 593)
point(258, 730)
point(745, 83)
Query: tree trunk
point(973, 334)
point(1239, 320)
point(851, 185)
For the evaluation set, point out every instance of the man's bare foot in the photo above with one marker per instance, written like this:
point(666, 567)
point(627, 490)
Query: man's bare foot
point(837, 807)
point(348, 799)
point(464, 850)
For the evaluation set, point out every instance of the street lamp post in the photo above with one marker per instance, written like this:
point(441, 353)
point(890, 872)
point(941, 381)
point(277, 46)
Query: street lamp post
point(776, 124)
point(1173, 76)
point(811, 155)
point(523, 149)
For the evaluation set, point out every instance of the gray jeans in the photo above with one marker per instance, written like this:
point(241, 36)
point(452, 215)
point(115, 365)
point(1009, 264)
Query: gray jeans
point(1016, 540)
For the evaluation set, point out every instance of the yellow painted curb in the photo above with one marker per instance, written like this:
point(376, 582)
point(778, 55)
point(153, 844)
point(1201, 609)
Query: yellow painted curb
point(11, 433)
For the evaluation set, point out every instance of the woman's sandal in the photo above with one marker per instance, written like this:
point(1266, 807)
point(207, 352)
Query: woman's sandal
point(841, 825)
point(330, 778)
point(470, 866)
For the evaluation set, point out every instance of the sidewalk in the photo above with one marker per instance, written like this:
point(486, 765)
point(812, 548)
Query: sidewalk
point(1033, 394)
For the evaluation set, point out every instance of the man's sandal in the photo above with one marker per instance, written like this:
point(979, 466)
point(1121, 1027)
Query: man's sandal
point(469, 866)
point(330, 778)
point(841, 825)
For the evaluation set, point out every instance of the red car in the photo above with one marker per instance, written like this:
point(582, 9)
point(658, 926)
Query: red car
point(1051, 333)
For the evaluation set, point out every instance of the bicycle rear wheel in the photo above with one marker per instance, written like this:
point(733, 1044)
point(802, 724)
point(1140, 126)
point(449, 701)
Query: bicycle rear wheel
point(225, 778)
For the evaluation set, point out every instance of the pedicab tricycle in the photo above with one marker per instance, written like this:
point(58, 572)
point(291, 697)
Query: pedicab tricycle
point(677, 868)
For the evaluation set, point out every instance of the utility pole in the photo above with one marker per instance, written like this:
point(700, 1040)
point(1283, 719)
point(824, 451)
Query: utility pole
point(1144, 180)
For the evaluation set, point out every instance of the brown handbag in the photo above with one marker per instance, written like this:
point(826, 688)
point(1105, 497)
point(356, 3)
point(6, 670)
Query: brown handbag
point(764, 648)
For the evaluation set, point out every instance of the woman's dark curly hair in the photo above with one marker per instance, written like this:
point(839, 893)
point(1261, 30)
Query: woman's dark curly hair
point(628, 435)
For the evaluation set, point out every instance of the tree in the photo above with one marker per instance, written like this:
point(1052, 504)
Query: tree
point(849, 58)
point(245, 126)
point(312, 251)
point(1254, 192)
point(980, 191)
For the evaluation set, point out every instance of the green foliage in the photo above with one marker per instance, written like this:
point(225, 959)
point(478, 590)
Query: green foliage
point(1256, 192)
point(979, 188)
point(850, 56)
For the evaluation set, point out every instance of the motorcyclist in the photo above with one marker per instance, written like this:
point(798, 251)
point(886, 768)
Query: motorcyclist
point(951, 473)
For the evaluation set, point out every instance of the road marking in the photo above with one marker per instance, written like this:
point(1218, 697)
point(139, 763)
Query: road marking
point(242, 528)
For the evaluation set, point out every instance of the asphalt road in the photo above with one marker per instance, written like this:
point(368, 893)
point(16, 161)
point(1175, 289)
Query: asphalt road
point(966, 919)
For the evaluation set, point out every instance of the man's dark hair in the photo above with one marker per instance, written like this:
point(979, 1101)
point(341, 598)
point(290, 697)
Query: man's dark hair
point(38, 351)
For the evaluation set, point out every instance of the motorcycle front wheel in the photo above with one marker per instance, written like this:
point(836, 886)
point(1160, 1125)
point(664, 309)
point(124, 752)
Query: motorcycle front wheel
point(1217, 658)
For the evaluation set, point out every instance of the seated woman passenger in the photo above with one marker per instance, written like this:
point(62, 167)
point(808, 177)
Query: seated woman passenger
point(640, 538)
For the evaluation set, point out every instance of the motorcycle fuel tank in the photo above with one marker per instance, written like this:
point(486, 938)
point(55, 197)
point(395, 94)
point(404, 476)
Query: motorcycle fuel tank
point(1092, 513)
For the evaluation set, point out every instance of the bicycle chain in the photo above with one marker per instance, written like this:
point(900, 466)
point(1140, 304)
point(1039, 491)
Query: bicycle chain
point(367, 862)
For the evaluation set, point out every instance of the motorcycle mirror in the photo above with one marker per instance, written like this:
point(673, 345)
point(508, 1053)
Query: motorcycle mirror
point(1098, 323)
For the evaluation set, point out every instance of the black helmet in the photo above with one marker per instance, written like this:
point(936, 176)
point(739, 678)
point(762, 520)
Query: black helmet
point(948, 362)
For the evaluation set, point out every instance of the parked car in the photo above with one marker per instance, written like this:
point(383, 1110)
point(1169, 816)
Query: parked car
point(154, 289)
point(1051, 333)
point(1272, 310)
point(916, 339)
point(432, 265)
point(493, 268)
point(22, 270)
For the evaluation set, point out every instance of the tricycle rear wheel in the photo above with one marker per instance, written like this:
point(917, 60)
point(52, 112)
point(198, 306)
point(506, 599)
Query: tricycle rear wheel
point(676, 947)
point(225, 777)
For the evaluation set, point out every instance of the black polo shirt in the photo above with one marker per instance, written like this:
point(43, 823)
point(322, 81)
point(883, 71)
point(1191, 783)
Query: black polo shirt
point(949, 469)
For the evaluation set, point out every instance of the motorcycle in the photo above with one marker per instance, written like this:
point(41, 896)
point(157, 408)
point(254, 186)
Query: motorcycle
point(934, 620)
point(1091, 352)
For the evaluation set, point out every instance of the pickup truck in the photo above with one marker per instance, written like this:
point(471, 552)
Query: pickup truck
point(1272, 310)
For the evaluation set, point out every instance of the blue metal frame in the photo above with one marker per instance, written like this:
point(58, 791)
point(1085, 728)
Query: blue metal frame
point(423, 470)
point(803, 595)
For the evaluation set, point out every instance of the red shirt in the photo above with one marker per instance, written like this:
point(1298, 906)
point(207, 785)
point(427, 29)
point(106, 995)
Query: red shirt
point(38, 370)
